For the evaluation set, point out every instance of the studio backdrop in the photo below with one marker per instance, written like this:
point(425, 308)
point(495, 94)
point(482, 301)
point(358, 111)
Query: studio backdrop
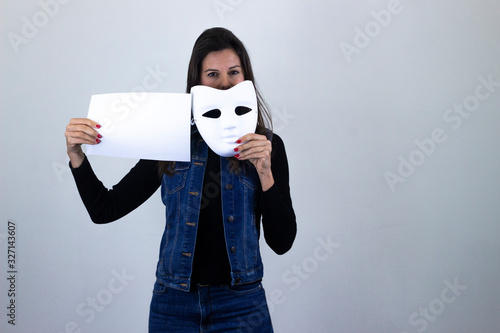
point(390, 114)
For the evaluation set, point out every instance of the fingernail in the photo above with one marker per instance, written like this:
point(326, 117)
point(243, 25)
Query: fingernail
point(237, 155)
point(238, 141)
point(97, 126)
point(99, 136)
point(97, 140)
point(236, 149)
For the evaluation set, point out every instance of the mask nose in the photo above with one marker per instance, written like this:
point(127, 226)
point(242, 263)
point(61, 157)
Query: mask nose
point(229, 120)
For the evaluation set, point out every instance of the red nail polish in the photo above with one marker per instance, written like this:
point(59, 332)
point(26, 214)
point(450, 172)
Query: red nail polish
point(237, 155)
point(99, 136)
point(97, 140)
point(97, 126)
point(236, 149)
point(238, 141)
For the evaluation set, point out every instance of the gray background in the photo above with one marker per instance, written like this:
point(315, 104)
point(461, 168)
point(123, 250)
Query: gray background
point(415, 252)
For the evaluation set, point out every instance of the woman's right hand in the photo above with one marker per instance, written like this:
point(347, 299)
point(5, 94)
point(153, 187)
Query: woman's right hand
point(78, 132)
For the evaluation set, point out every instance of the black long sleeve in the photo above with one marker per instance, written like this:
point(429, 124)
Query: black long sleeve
point(278, 216)
point(107, 205)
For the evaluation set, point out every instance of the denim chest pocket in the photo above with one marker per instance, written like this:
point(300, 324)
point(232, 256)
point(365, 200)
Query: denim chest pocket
point(177, 181)
point(249, 181)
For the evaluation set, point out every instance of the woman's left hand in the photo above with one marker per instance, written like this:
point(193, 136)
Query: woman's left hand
point(257, 149)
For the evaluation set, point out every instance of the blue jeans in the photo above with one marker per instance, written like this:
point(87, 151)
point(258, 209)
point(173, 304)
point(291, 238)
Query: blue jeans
point(241, 309)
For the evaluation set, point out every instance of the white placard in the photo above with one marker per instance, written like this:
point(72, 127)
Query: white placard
point(153, 126)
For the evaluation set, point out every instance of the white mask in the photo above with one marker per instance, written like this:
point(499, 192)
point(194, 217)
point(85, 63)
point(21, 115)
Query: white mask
point(224, 116)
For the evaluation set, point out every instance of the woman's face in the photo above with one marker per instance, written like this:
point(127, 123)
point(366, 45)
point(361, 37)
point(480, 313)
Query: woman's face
point(221, 70)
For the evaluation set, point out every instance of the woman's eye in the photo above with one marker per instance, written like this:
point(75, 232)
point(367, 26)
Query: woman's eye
point(215, 113)
point(212, 74)
point(234, 72)
point(241, 110)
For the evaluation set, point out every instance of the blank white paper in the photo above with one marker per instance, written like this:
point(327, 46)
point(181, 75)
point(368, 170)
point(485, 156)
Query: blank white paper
point(154, 126)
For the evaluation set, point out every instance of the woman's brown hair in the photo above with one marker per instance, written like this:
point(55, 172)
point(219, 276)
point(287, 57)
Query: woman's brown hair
point(218, 39)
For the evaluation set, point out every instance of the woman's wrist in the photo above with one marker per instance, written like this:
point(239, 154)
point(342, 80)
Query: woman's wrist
point(266, 180)
point(76, 158)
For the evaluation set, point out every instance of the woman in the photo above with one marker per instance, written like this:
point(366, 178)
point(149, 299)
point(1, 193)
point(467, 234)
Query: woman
point(209, 270)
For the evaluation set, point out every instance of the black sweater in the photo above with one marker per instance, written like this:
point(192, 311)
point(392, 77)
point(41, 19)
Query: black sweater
point(211, 263)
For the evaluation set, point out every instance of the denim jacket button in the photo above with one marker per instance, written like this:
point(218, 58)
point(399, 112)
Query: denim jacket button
point(233, 249)
point(229, 186)
point(230, 218)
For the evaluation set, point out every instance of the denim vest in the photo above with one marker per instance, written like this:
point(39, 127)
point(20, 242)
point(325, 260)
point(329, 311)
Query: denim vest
point(182, 195)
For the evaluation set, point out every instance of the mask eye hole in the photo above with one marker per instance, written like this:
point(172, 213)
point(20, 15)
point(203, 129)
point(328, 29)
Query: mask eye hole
point(241, 110)
point(215, 113)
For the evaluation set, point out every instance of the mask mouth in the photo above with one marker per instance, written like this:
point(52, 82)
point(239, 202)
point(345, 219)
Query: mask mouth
point(230, 138)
